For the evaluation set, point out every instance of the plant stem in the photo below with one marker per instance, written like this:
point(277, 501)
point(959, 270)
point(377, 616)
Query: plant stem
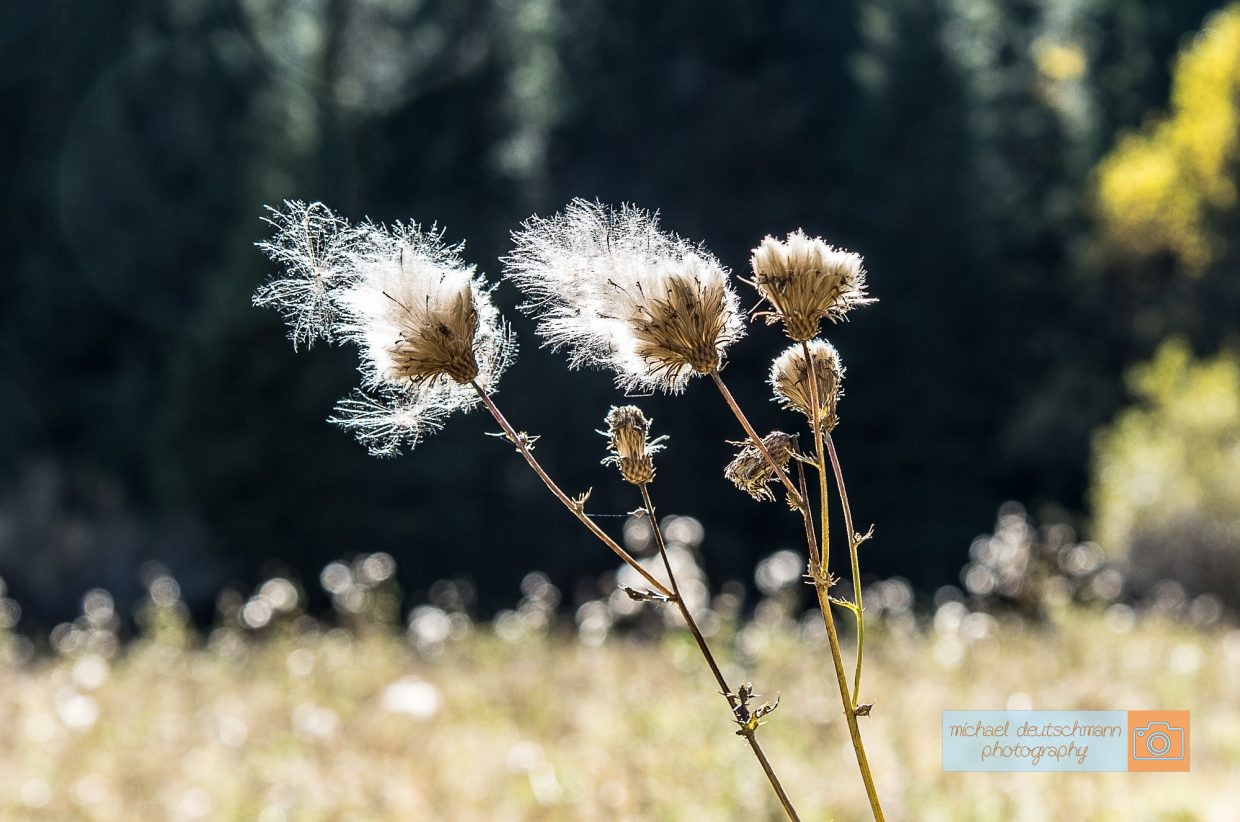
point(824, 510)
point(727, 692)
point(576, 507)
point(853, 544)
point(811, 538)
point(850, 713)
point(673, 595)
point(821, 581)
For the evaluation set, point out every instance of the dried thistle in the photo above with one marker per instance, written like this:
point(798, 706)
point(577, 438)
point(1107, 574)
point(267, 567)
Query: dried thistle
point(805, 280)
point(790, 379)
point(423, 319)
point(750, 471)
point(609, 285)
point(415, 309)
point(631, 448)
point(617, 292)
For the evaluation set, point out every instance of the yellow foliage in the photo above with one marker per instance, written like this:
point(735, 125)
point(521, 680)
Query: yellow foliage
point(1174, 459)
point(1059, 62)
point(1157, 188)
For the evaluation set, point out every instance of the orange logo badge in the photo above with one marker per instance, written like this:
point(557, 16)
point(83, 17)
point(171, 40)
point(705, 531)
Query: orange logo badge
point(1158, 741)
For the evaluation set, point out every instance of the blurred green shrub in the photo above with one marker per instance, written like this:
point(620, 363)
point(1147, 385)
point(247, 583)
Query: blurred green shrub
point(1166, 475)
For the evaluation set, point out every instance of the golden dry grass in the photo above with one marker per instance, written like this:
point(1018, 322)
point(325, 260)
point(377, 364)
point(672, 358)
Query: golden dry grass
point(306, 725)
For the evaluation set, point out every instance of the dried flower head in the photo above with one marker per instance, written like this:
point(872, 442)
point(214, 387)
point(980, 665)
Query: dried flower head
point(631, 448)
point(313, 245)
point(418, 312)
point(750, 471)
point(617, 292)
point(791, 381)
point(804, 280)
point(423, 319)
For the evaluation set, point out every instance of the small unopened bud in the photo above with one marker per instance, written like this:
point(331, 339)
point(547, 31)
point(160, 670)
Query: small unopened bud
point(750, 470)
point(790, 377)
point(631, 448)
point(805, 280)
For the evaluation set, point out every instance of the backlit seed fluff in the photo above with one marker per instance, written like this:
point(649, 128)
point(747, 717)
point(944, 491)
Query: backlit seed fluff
point(631, 448)
point(312, 244)
point(615, 291)
point(750, 470)
point(414, 309)
point(790, 379)
point(422, 319)
point(805, 280)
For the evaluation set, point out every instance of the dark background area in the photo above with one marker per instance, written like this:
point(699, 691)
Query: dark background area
point(149, 413)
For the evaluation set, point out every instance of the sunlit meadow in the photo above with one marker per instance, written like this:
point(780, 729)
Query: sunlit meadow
point(602, 714)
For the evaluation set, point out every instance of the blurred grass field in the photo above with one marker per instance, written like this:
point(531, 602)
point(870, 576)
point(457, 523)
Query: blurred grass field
point(522, 719)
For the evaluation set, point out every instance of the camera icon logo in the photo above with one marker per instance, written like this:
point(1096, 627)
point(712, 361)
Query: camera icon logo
point(1158, 740)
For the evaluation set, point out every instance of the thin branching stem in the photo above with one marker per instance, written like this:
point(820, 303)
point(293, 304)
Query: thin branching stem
point(577, 507)
point(821, 582)
point(824, 509)
point(811, 540)
point(850, 713)
point(733, 701)
point(853, 544)
point(820, 576)
point(521, 443)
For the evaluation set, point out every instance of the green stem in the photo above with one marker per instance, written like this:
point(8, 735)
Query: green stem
point(824, 509)
point(821, 582)
point(850, 713)
point(853, 544)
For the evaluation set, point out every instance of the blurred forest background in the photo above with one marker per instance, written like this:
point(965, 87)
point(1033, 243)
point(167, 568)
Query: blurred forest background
point(1043, 191)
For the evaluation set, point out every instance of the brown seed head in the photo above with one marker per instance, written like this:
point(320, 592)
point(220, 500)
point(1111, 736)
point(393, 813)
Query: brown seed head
point(435, 341)
point(791, 381)
point(683, 321)
point(751, 472)
point(613, 289)
point(427, 330)
point(804, 280)
point(631, 447)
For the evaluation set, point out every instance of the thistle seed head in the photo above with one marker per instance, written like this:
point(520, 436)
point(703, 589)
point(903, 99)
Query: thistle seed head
point(790, 377)
point(631, 448)
point(437, 343)
point(804, 280)
point(679, 330)
point(417, 322)
point(617, 292)
point(422, 318)
point(750, 471)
